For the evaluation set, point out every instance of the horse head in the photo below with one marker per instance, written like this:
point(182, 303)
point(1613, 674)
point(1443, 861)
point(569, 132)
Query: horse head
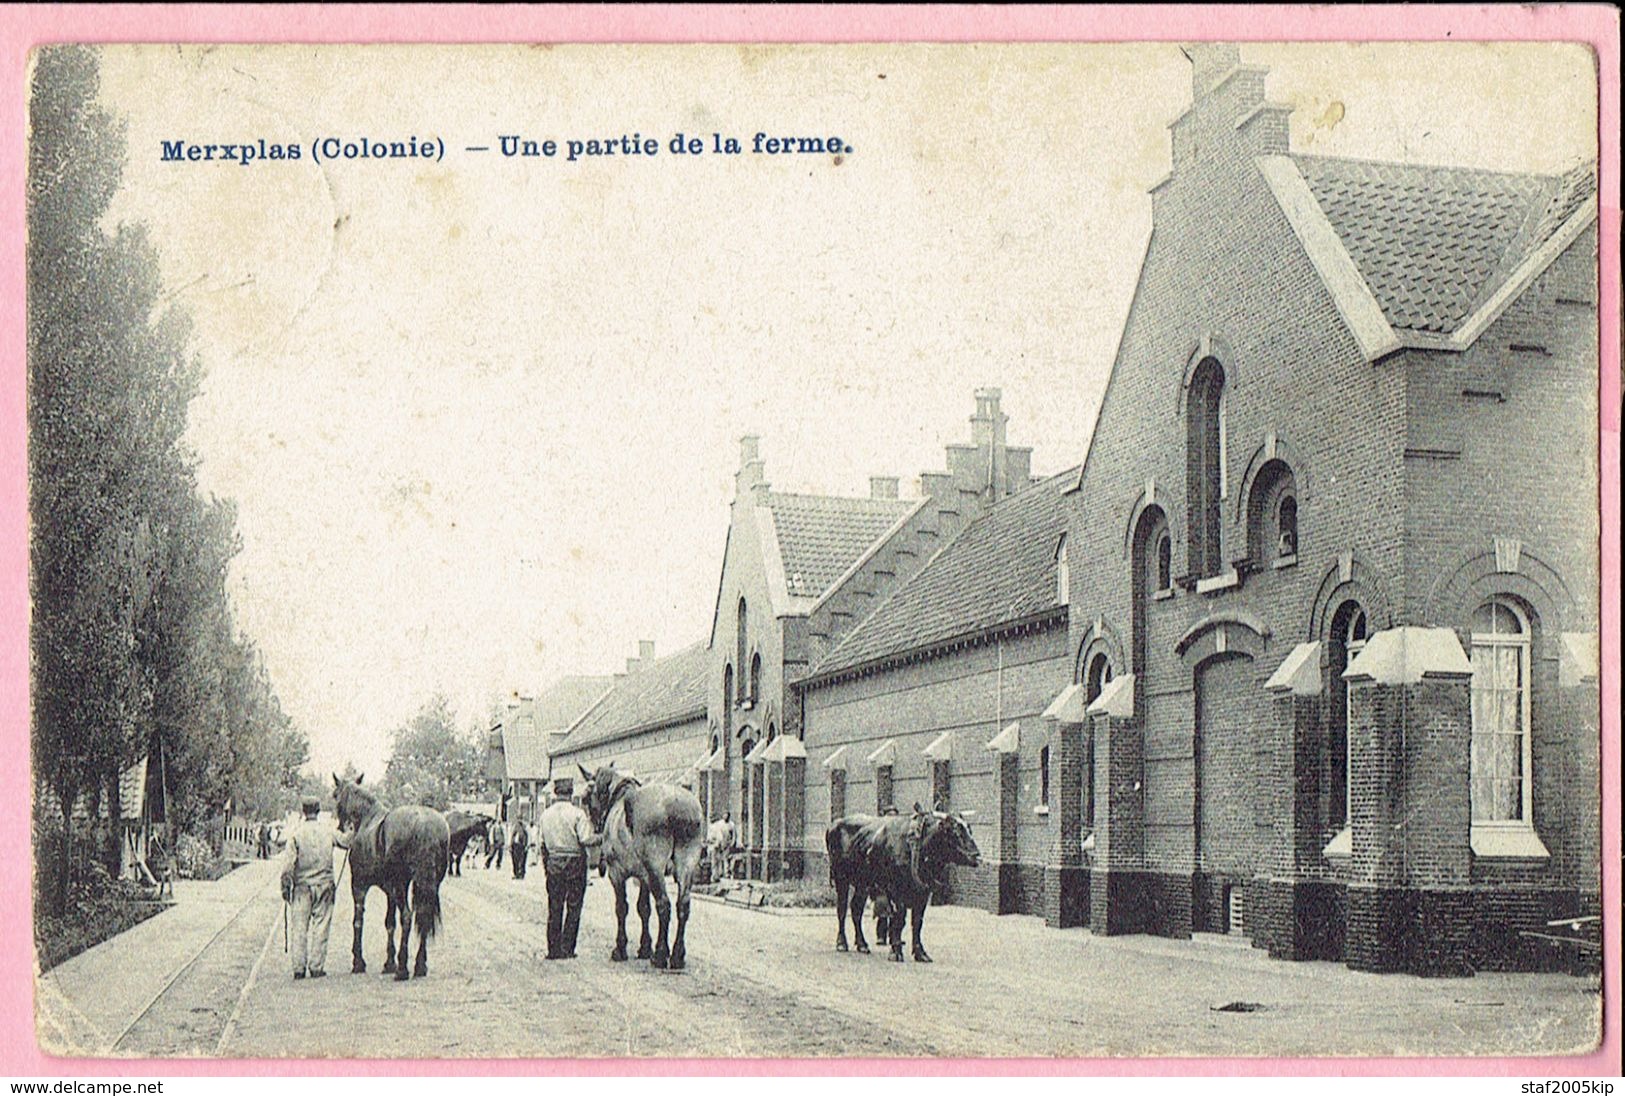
point(601, 788)
point(353, 803)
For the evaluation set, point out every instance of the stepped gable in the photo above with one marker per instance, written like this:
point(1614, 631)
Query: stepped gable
point(656, 694)
point(821, 536)
point(998, 570)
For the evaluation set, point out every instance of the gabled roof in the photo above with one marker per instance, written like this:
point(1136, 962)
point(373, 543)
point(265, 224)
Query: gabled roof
point(670, 690)
point(527, 733)
point(1436, 245)
point(999, 569)
point(821, 536)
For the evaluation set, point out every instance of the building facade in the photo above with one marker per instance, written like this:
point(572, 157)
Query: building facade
point(1333, 568)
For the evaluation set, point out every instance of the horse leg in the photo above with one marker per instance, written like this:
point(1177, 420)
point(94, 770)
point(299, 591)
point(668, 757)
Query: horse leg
point(619, 954)
point(919, 916)
point(661, 959)
point(358, 898)
point(896, 914)
point(401, 973)
point(425, 920)
point(389, 932)
point(859, 897)
point(645, 944)
point(841, 892)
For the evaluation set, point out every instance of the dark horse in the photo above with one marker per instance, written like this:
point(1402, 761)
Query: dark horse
point(402, 851)
point(899, 861)
point(464, 825)
point(647, 831)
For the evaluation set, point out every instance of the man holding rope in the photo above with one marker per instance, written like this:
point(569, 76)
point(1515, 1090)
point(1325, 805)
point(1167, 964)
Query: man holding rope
point(308, 889)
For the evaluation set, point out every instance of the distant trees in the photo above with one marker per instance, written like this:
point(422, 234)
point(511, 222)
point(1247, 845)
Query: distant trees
point(132, 636)
point(430, 761)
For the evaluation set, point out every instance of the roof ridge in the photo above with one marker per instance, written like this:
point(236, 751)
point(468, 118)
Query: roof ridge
point(835, 498)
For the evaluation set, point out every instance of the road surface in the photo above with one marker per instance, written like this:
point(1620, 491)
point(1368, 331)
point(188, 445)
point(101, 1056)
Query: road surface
point(762, 985)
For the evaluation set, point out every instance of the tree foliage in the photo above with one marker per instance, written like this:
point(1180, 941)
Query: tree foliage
point(430, 761)
point(133, 637)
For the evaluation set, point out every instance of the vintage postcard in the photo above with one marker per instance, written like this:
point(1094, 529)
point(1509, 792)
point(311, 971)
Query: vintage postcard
point(996, 550)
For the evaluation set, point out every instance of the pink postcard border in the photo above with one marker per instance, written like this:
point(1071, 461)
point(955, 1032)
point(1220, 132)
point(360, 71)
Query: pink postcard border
point(22, 28)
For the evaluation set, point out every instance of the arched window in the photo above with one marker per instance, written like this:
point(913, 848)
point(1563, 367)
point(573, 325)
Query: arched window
point(1349, 632)
point(1152, 527)
point(741, 638)
point(1204, 441)
point(727, 698)
point(1165, 562)
point(744, 789)
point(1272, 515)
point(772, 732)
point(1096, 677)
point(755, 679)
point(1500, 712)
point(1063, 574)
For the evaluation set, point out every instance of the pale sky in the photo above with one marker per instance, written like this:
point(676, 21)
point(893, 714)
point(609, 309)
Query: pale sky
point(480, 417)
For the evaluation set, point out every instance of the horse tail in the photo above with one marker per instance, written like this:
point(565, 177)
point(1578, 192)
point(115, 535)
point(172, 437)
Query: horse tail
point(426, 907)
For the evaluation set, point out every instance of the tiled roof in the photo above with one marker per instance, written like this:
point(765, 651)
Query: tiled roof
point(821, 536)
point(1433, 243)
point(999, 569)
point(528, 733)
point(669, 690)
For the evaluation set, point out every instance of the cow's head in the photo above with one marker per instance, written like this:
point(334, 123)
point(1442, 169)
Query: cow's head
point(946, 836)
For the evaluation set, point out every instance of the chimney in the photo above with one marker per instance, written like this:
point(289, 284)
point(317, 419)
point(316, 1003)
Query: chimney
point(1209, 61)
point(882, 487)
point(987, 434)
point(749, 480)
point(1229, 117)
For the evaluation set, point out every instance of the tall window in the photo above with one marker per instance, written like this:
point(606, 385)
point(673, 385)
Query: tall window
point(1063, 574)
point(1204, 423)
point(741, 638)
point(755, 679)
point(1349, 631)
point(1500, 702)
point(1043, 777)
point(727, 701)
point(1152, 527)
point(745, 790)
point(1165, 561)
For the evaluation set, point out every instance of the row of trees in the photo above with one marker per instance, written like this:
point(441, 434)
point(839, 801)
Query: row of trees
point(133, 636)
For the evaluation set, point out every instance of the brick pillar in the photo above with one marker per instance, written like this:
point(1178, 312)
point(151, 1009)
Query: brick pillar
point(1409, 906)
point(1009, 778)
point(795, 817)
point(1295, 909)
point(1064, 879)
point(773, 803)
point(1120, 898)
point(755, 787)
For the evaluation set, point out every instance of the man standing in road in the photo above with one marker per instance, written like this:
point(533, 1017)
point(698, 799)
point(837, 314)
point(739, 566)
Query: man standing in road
point(307, 888)
point(495, 840)
point(565, 835)
point(520, 849)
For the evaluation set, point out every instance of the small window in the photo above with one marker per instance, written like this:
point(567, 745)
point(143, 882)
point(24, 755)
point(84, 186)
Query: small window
point(1165, 562)
point(1286, 524)
point(1043, 777)
point(1272, 516)
point(1097, 677)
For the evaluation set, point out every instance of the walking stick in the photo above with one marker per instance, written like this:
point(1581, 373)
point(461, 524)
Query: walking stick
point(284, 925)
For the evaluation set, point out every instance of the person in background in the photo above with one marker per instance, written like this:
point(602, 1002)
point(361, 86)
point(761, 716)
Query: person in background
point(520, 849)
point(307, 888)
point(496, 838)
point(564, 834)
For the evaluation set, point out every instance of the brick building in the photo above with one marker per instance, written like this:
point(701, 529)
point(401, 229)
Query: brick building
point(519, 748)
point(650, 722)
point(1333, 558)
point(798, 571)
point(937, 698)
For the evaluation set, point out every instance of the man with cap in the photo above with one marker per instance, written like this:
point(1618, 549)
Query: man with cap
point(565, 835)
point(496, 840)
point(307, 888)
